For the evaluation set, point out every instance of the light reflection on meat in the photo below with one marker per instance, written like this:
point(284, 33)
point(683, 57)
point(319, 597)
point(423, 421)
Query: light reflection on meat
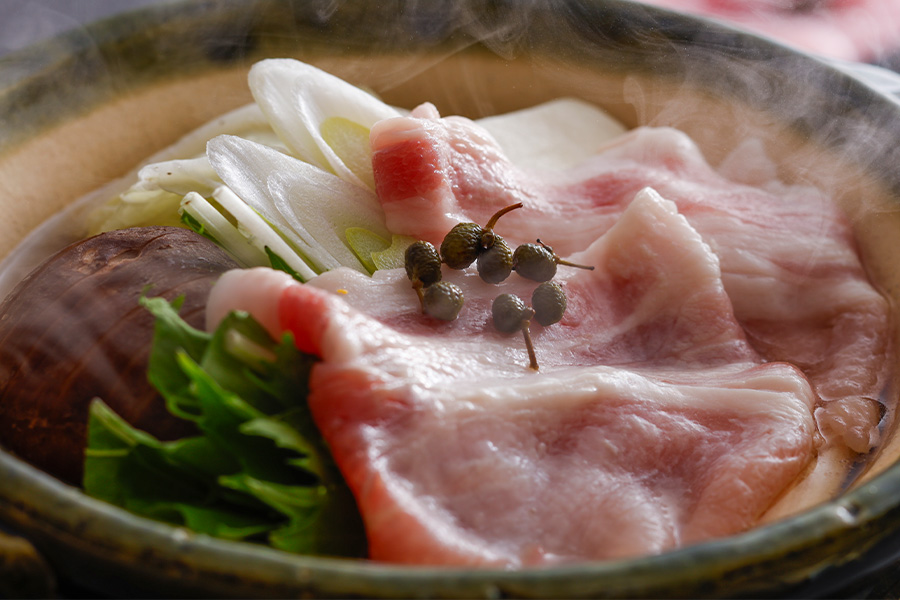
point(787, 253)
point(652, 422)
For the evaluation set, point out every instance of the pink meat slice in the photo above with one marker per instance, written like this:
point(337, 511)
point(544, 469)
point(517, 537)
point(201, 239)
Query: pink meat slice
point(651, 423)
point(788, 258)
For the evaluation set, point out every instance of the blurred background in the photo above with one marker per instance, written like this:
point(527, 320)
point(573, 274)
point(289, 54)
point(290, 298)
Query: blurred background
point(23, 22)
point(865, 31)
point(852, 30)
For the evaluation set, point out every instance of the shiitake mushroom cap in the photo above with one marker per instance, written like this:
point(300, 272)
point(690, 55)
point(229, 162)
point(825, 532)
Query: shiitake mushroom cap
point(73, 330)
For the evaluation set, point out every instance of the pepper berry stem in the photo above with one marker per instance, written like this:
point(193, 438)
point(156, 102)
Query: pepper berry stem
point(488, 237)
point(493, 220)
point(529, 345)
point(571, 264)
point(420, 292)
point(561, 261)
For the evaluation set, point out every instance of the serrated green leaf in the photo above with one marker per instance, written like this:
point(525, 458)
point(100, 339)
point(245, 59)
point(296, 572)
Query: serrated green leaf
point(258, 466)
point(171, 336)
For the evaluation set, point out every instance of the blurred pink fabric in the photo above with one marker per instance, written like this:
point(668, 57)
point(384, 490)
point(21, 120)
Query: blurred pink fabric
point(855, 30)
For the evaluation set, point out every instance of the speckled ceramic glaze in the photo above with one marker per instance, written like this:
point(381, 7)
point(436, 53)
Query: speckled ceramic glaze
point(87, 107)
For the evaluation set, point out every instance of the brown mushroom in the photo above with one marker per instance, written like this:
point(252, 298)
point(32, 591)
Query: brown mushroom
point(74, 330)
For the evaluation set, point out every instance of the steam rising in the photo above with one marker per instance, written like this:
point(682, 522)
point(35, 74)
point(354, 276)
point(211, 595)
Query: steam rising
point(25, 22)
point(653, 63)
point(859, 31)
point(755, 84)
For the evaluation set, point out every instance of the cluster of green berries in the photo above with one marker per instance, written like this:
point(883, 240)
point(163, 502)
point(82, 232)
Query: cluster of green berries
point(469, 243)
point(511, 314)
point(495, 260)
point(440, 299)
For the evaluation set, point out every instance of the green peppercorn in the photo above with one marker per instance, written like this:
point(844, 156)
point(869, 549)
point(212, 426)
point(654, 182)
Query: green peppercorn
point(549, 303)
point(462, 245)
point(466, 241)
point(443, 300)
point(538, 262)
point(422, 263)
point(535, 262)
point(495, 263)
point(510, 313)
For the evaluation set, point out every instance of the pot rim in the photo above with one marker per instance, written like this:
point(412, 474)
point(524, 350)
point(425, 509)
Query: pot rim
point(781, 555)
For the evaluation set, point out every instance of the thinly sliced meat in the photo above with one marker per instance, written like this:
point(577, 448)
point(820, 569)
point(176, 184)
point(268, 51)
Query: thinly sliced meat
point(788, 258)
point(591, 464)
point(650, 424)
point(630, 311)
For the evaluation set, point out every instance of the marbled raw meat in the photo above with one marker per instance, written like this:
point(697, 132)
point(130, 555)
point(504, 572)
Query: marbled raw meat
point(651, 423)
point(788, 257)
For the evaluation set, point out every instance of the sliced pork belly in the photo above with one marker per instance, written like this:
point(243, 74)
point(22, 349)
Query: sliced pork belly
point(651, 423)
point(787, 254)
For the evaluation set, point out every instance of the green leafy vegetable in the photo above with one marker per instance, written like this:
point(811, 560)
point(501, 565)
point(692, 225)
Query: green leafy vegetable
point(256, 470)
point(276, 262)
